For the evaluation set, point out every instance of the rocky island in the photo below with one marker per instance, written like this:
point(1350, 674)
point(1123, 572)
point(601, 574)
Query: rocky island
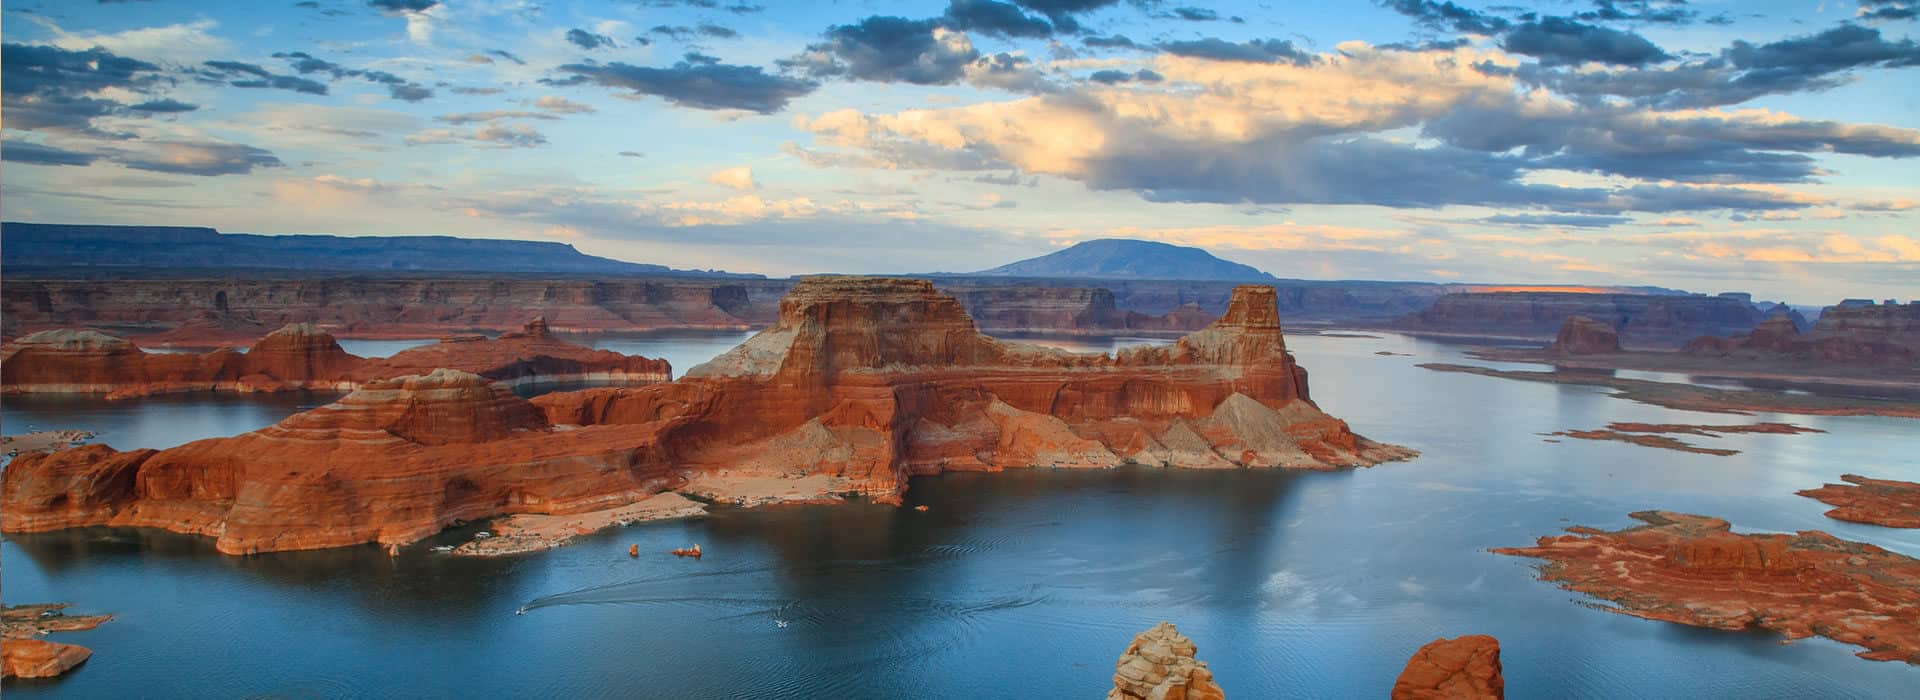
point(1872, 501)
point(862, 383)
point(1695, 570)
point(301, 356)
point(24, 655)
point(1462, 668)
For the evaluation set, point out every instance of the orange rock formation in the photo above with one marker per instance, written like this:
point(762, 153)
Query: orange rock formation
point(39, 658)
point(1580, 335)
point(298, 356)
point(1463, 668)
point(1159, 665)
point(1694, 570)
point(861, 384)
point(1872, 501)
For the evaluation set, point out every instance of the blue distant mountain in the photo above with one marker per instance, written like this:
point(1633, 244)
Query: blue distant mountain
point(1121, 258)
point(192, 247)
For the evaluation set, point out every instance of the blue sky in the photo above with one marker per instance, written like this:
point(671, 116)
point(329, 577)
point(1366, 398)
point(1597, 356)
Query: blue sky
point(1759, 146)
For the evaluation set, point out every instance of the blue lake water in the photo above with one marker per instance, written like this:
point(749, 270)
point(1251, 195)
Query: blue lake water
point(1027, 583)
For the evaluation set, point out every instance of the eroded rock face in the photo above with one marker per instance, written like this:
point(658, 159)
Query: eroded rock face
point(1694, 570)
point(862, 383)
point(1160, 665)
point(1580, 335)
point(1642, 320)
point(299, 356)
point(1869, 334)
point(1873, 501)
point(1462, 668)
point(39, 658)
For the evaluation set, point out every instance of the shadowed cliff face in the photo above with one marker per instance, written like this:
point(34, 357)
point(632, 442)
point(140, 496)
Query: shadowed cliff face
point(1878, 334)
point(861, 383)
point(1646, 320)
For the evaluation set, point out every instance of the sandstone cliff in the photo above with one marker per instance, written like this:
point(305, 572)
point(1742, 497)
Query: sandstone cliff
point(1874, 334)
point(862, 383)
point(299, 356)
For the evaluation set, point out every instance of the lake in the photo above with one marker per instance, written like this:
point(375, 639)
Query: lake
point(1029, 583)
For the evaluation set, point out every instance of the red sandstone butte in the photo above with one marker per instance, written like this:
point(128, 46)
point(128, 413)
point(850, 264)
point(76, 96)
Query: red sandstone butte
point(39, 658)
point(1694, 570)
point(861, 383)
point(1463, 668)
point(1872, 501)
point(1580, 335)
point(299, 356)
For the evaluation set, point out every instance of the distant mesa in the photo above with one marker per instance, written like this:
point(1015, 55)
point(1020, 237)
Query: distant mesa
point(1121, 258)
point(31, 245)
point(861, 384)
point(1639, 320)
point(1580, 335)
point(1850, 333)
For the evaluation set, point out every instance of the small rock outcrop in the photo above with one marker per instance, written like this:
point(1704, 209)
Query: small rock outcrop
point(1462, 668)
point(39, 658)
point(1580, 335)
point(1160, 665)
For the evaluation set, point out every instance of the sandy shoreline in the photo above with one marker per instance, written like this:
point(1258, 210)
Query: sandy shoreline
point(517, 534)
point(43, 441)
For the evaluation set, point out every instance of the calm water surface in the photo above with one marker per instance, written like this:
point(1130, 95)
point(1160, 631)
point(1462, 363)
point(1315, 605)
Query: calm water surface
point(1293, 585)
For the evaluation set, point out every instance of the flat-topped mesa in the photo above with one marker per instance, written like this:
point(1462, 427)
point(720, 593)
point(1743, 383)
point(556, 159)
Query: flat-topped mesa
point(1580, 335)
point(393, 462)
point(302, 356)
point(861, 384)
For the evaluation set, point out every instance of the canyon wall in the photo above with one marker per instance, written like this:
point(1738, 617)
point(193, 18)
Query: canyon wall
point(1642, 320)
point(1870, 334)
point(860, 383)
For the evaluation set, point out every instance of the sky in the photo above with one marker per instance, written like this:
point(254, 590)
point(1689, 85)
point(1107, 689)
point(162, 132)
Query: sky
point(1766, 146)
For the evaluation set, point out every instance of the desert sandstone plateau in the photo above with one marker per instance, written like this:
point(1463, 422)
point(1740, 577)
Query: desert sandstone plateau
point(862, 383)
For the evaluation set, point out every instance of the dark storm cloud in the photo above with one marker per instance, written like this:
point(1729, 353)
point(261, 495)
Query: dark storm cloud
point(163, 106)
point(283, 82)
point(1741, 72)
point(17, 151)
point(306, 64)
point(1255, 51)
point(1562, 41)
point(1446, 16)
point(402, 6)
point(698, 85)
point(1113, 77)
point(886, 49)
point(506, 55)
point(588, 40)
point(238, 67)
point(994, 18)
point(1117, 41)
point(1062, 12)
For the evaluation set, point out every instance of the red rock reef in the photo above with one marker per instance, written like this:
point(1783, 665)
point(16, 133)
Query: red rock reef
point(1462, 668)
point(1580, 335)
point(862, 383)
point(1871, 501)
point(299, 356)
point(1160, 665)
point(39, 658)
point(1694, 570)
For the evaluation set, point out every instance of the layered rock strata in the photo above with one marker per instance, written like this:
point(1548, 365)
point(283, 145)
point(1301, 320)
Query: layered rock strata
point(1160, 665)
point(1868, 334)
point(1642, 320)
point(1694, 570)
point(1580, 335)
point(861, 384)
point(300, 356)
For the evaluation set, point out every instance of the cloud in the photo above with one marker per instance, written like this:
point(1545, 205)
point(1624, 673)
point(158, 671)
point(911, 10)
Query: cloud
point(163, 106)
point(48, 87)
point(184, 157)
point(1561, 41)
point(888, 49)
point(632, 154)
point(1009, 72)
point(17, 151)
point(1888, 10)
point(1887, 205)
point(699, 85)
point(1195, 14)
point(1570, 220)
point(561, 105)
point(508, 55)
point(1254, 51)
point(739, 178)
point(1115, 77)
point(589, 40)
point(402, 6)
point(491, 116)
point(478, 90)
point(306, 64)
point(489, 135)
point(1063, 13)
point(1446, 16)
point(994, 18)
point(1117, 41)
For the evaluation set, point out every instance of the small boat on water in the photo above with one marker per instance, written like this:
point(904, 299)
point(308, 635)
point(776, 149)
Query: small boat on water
point(693, 551)
point(633, 551)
